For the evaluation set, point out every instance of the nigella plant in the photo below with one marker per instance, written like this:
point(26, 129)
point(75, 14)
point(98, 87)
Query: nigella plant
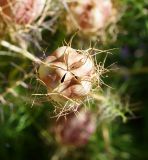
point(69, 76)
point(21, 12)
point(76, 129)
point(94, 18)
point(21, 20)
point(72, 78)
point(73, 82)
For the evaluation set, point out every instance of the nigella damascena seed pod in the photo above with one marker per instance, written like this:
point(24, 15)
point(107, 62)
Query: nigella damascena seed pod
point(21, 11)
point(75, 130)
point(90, 15)
point(67, 72)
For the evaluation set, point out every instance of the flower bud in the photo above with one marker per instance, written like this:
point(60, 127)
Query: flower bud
point(22, 11)
point(89, 16)
point(67, 73)
point(75, 130)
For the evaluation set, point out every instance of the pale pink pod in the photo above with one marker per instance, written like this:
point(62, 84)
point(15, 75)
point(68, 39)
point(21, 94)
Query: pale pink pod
point(89, 16)
point(75, 129)
point(68, 73)
point(22, 11)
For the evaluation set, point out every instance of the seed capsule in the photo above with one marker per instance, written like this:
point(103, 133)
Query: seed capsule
point(67, 73)
point(75, 130)
point(90, 15)
point(22, 11)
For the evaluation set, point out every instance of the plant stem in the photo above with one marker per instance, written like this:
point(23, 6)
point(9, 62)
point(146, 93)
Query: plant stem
point(21, 51)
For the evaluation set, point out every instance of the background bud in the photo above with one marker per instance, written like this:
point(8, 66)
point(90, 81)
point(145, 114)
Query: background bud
point(22, 11)
point(89, 16)
point(75, 130)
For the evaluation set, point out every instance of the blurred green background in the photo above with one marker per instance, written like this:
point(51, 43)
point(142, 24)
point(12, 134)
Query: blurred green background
point(24, 133)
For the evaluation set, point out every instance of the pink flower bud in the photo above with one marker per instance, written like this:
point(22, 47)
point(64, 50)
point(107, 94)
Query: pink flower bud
point(68, 73)
point(22, 11)
point(75, 130)
point(89, 16)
